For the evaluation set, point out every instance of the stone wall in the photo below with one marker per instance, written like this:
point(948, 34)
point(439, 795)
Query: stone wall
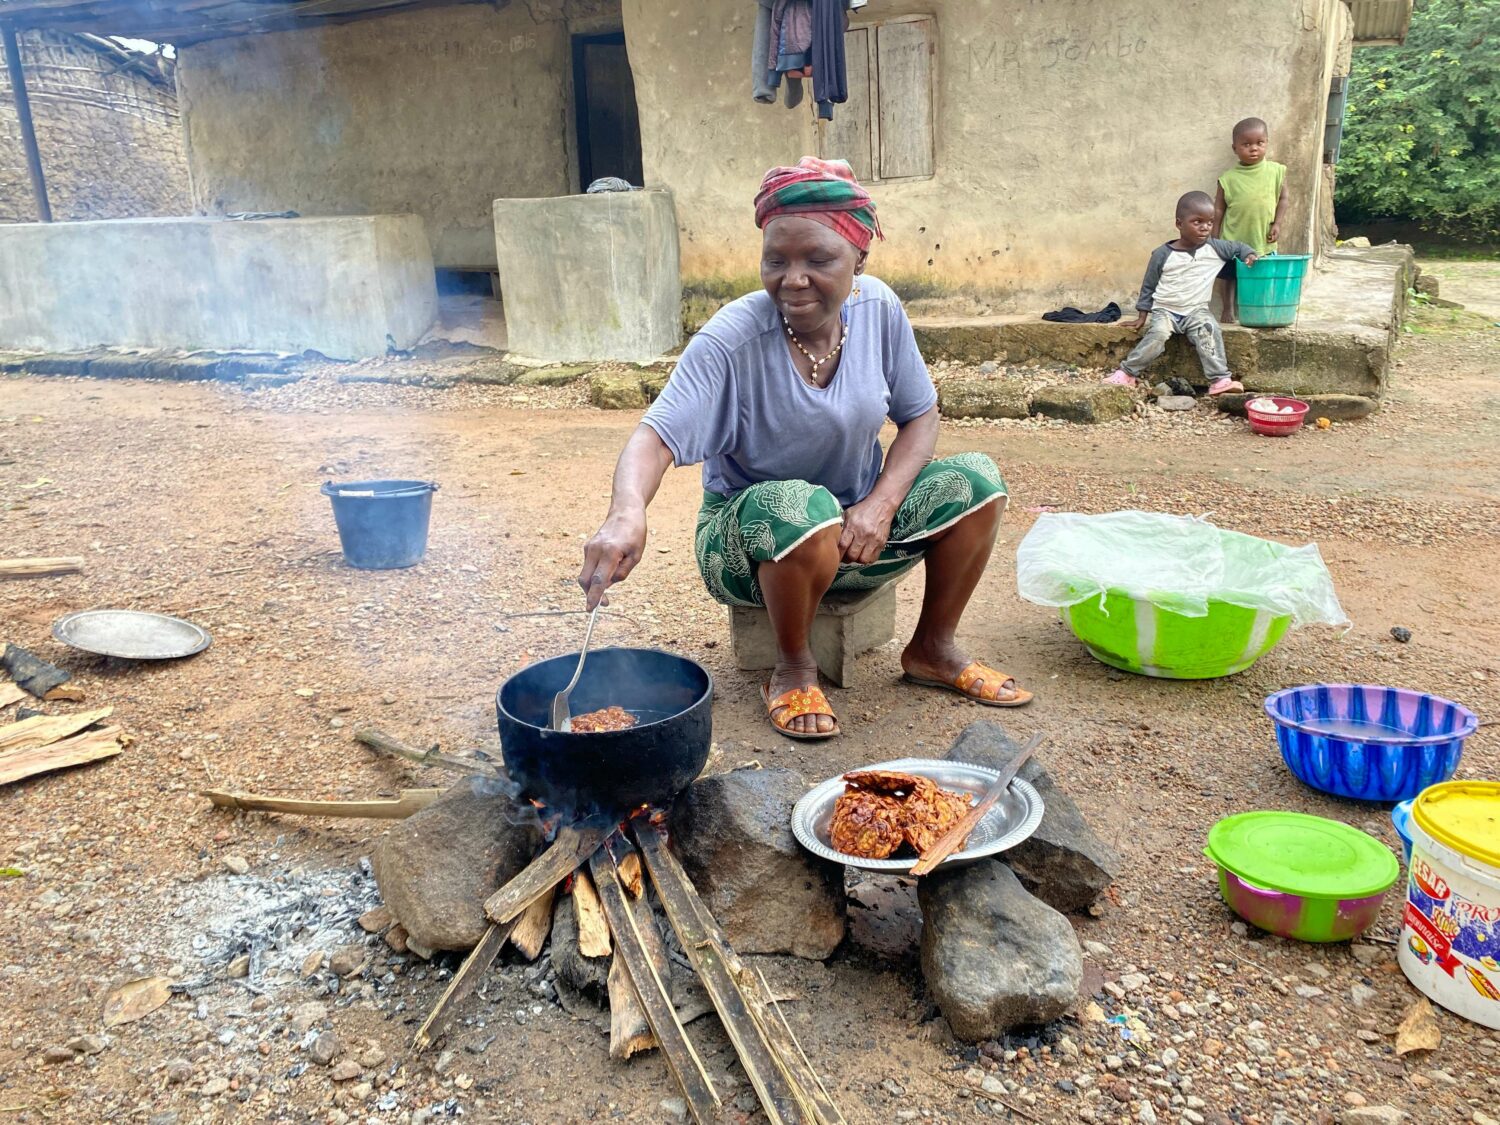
point(1064, 131)
point(436, 113)
point(110, 139)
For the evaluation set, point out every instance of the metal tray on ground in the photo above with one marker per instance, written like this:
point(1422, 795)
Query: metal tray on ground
point(131, 634)
point(1012, 819)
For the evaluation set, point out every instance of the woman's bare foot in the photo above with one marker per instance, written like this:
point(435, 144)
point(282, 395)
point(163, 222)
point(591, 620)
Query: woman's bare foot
point(943, 663)
point(791, 675)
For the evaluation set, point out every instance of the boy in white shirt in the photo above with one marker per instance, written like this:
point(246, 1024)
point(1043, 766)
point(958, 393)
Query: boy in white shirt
point(1175, 294)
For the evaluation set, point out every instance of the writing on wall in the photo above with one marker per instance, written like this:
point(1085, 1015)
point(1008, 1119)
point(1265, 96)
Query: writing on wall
point(1054, 49)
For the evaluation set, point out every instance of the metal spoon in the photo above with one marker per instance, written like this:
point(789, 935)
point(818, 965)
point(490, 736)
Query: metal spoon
point(561, 719)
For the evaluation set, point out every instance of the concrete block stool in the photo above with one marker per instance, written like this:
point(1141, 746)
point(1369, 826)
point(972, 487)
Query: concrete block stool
point(846, 625)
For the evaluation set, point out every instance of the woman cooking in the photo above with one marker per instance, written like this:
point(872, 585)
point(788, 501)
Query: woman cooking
point(782, 396)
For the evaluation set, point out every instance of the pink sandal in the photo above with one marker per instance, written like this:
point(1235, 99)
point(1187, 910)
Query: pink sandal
point(1121, 378)
point(1225, 385)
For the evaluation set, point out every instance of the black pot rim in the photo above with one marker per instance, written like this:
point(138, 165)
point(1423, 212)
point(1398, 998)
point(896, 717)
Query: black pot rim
point(707, 694)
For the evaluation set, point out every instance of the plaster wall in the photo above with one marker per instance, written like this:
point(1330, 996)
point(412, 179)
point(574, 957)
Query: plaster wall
point(1065, 131)
point(346, 287)
point(435, 113)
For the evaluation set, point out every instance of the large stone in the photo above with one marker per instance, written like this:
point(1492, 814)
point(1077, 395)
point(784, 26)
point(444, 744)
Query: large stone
point(1083, 402)
point(616, 390)
point(993, 956)
point(733, 832)
point(1064, 863)
point(983, 398)
point(436, 867)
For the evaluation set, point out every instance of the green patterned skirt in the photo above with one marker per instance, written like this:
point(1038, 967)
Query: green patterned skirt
point(766, 521)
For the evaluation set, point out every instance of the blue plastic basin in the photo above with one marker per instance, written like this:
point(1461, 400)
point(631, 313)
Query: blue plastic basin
point(1369, 742)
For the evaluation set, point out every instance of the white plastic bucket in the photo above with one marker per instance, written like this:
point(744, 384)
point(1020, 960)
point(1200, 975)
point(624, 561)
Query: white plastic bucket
point(1450, 929)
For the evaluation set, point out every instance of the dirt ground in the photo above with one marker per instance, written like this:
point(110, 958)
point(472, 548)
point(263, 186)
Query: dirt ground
point(202, 501)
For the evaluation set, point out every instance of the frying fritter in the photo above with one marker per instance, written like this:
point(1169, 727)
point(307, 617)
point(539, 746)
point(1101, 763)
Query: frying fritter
point(604, 719)
point(885, 781)
point(929, 814)
point(868, 825)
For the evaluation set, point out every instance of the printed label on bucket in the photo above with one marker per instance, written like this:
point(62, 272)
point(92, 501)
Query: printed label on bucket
point(1456, 935)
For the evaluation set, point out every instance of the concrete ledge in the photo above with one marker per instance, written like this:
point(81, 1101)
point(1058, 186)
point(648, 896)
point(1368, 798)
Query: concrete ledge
point(345, 286)
point(101, 363)
point(1351, 310)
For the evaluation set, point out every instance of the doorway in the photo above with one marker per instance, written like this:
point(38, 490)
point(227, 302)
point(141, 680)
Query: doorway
point(609, 124)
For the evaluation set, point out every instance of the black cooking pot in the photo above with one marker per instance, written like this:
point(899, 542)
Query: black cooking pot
point(653, 761)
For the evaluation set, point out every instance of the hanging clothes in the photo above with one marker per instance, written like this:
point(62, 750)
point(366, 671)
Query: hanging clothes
point(761, 88)
point(830, 72)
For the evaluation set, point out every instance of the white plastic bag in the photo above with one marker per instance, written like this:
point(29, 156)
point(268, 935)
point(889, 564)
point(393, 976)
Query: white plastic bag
point(1179, 563)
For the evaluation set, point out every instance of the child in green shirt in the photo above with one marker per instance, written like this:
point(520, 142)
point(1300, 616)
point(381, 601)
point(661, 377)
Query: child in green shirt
point(1248, 205)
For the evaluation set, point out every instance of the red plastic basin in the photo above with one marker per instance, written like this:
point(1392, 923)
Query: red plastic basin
point(1277, 425)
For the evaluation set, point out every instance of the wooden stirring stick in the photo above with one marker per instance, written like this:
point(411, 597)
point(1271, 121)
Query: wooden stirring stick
point(953, 839)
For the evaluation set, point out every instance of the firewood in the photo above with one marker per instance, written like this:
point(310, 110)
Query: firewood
point(629, 1030)
point(574, 844)
point(533, 926)
point(682, 1059)
point(593, 930)
point(40, 567)
point(782, 1098)
point(75, 751)
point(630, 873)
point(384, 743)
point(39, 730)
point(463, 983)
point(11, 693)
point(65, 693)
point(953, 839)
point(410, 801)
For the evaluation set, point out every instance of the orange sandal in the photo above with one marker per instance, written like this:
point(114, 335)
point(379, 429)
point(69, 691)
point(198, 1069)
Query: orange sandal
point(799, 701)
point(994, 681)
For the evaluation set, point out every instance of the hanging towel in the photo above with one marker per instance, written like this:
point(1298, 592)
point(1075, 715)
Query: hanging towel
point(761, 87)
point(830, 74)
point(1069, 315)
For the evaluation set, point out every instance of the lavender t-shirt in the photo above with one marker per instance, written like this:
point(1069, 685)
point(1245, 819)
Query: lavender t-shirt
point(736, 403)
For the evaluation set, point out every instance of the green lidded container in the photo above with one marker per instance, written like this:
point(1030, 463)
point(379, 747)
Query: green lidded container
point(1150, 640)
point(1269, 292)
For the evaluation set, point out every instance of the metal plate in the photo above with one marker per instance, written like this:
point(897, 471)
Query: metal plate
point(1012, 819)
point(131, 634)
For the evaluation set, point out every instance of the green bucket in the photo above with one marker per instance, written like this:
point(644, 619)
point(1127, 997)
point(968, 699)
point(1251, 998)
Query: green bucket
point(1269, 291)
point(1141, 637)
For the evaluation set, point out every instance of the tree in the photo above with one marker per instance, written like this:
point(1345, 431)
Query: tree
point(1422, 126)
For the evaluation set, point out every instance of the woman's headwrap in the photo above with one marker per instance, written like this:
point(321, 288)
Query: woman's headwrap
point(824, 191)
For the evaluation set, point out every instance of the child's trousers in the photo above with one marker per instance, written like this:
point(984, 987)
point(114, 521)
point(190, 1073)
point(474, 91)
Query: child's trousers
point(1199, 326)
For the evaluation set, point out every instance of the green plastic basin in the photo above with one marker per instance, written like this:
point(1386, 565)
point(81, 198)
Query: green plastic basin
point(1149, 640)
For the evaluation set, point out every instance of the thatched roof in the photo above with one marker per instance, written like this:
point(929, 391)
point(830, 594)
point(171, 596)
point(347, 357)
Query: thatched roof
point(188, 21)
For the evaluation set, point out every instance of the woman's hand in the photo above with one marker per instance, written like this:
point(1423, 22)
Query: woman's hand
point(867, 526)
point(612, 553)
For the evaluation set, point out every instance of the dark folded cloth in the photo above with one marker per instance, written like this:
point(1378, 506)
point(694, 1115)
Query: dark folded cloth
point(1069, 315)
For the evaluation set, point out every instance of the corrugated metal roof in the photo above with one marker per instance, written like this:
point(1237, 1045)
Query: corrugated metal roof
point(1378, 22)
point(188, 21)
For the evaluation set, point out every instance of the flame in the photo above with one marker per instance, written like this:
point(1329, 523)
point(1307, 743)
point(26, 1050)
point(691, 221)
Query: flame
point(550, 821)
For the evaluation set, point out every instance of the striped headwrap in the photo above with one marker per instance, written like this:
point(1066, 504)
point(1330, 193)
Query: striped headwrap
point(824, 191)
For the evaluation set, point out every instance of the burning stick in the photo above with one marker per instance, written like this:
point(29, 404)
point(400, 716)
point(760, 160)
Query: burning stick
point(788, 1088)
point(463, 983)
point(678, 1050)
point(533, 926)
point(593, 931)
point(573, 845)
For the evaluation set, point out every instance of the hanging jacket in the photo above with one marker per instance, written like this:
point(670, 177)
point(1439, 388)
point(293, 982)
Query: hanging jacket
point(830, 73)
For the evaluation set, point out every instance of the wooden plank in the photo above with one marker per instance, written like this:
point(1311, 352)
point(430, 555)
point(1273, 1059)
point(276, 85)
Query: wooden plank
point(533, 926)
point(782, 1101)
point(574, 844)
point(593, 930)
point(410, 801)
point(23, 116)
point(90, 747)
point(903, 54)
point(629, 1029)
point(39, 567)
point(629, 868)
point(39, 730)
point(812, 1097)
point(463, 983)
point(11, 693)
point(848, 136)
point(682, 1059)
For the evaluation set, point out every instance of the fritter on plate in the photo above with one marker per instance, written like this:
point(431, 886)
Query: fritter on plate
point(930, 812)
point(886, 781)
point(868, 825)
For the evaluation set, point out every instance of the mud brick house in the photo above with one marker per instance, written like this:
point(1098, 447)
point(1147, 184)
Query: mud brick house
point(1022, 152)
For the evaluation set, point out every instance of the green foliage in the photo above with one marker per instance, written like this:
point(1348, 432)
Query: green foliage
point(1422, 128)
